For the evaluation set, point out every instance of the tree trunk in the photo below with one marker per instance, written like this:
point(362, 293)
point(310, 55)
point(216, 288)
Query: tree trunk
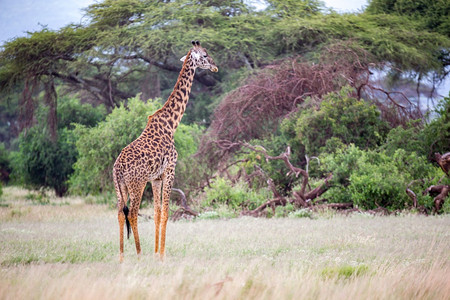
point(50, 99)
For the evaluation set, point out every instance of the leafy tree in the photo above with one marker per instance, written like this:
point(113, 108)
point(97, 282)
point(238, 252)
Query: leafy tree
point(423, 139)
point(340, 116)
point(37, 61)
point(43, 162)
point(433, 14)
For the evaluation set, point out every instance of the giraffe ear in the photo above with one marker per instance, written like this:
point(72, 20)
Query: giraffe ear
point(183, 58)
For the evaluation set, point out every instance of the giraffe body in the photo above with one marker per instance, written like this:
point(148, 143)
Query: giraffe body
point(152, 156)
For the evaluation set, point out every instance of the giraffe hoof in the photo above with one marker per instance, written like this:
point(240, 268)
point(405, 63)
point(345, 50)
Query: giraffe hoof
point(121, 258)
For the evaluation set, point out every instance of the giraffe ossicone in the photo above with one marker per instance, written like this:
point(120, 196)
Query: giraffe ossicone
point(152, 156)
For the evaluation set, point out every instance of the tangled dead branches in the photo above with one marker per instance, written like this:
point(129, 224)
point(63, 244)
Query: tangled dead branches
point(255, 109)
point(300, 198)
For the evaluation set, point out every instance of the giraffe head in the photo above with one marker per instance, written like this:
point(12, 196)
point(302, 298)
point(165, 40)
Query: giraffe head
point(200, 58)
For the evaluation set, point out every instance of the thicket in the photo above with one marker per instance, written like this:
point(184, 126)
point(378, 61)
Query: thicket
point(43, 162)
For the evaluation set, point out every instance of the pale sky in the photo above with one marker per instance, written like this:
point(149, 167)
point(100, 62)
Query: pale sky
point(346, 5)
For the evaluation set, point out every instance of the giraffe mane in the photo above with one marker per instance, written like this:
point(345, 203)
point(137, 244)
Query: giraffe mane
point(175, 87)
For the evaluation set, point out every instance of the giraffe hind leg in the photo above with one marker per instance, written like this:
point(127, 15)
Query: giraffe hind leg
point(122, 195)
point(136, 190)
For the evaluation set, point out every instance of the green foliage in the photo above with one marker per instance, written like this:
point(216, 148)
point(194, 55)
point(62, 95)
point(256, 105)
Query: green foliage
point(301, 213)
point(41, 53)
point(341, 117)
point(369, 178)
point(237, 196)
point(70, 111)
point(344, 272)
point(408, 138)
point(433, 14)
point(5, 165)
point(389, 38)
point(42, 162)
point(436, 135)
point(446, 206)
point(284, 211)
point(424, 140)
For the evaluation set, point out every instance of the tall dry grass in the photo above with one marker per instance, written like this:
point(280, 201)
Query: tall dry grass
point(70, 251)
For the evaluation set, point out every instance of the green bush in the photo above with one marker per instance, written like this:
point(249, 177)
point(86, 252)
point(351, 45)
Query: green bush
point(339, 116)
point(370, 178)
point(436, 134)
point(238, 196)
point(301, 213)
point(71, 111)
point(5, 165)
point(99, 146)
point(284, 211)
point(41, 162)
point(208, 215)
point(424, 140)
point(409, 138)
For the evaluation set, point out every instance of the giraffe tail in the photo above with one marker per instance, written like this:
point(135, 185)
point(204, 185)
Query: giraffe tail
point(126, 211)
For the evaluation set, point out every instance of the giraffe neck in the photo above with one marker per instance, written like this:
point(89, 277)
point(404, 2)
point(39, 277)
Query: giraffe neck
point(173, 110)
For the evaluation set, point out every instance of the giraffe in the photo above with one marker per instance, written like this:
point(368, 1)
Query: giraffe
point(152, 156)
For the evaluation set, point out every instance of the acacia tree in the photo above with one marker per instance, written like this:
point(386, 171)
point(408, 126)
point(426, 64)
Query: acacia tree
point(36, 61)
point(106, 59)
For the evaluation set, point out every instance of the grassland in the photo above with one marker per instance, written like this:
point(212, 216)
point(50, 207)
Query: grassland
point(67, 249)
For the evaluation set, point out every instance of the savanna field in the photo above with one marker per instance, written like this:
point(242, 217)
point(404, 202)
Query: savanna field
point(68, 249)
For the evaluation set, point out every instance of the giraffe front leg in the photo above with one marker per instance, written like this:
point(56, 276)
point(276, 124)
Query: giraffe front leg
point(156, 187)
point(167, 188)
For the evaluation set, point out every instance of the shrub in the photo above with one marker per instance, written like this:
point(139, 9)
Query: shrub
point(41, 162)
point(284, 211)
point(301, 213)
point(236, 197)
point(370, 178)
point(436, 135)
point(340, 116)
point(208, 215)
point(71, 111)
point(5, 165)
